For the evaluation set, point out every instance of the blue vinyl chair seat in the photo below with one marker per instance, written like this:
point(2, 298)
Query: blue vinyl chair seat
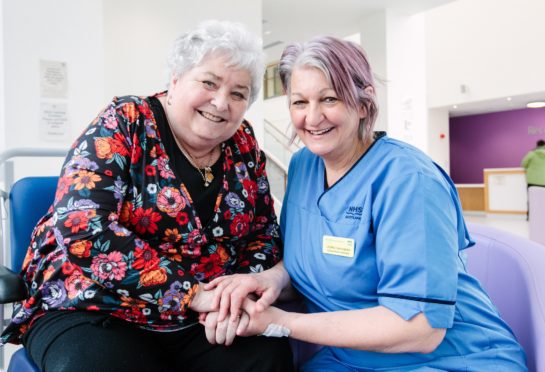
point(29, 200)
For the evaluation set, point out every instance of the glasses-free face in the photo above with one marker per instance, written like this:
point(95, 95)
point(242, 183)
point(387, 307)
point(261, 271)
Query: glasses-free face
point(208, 102)
point(325, 124)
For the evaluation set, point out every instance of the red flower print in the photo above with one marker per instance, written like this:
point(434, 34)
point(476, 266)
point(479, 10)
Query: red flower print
point(227, 215)
point(170, 201)
point(77, 221)
point(106, 147)
point(240, 225)
point(125, 214)
point(136, 150)
point(145, 220)
point(63, 187)
point(251, 188)
point(109, 267)
point(108, 172)
point(81, 248)
point(150, 170)
point(182, 218)
point(117, 144)
point(76, 284)
point(209, 266)
point(68, 268)
point(146, 258)
point(243, 145)
point(146, 111)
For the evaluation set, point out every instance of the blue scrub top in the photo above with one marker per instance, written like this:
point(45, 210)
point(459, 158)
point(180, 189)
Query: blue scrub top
point(403, 214)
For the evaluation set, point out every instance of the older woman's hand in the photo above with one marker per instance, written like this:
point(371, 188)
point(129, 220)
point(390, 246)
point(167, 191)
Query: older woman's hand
point(232, 290)
point(223, 332)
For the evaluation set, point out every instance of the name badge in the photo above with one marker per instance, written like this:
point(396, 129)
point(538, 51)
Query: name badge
point(338, 246)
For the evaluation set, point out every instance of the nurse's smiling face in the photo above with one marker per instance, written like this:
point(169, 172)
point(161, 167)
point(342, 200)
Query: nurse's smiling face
point(325, 124)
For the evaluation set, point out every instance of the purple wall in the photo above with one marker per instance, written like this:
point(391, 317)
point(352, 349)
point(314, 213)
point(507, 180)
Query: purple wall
point(496, 140)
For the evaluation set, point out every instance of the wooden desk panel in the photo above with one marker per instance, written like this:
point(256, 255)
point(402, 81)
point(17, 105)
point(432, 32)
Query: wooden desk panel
point(471, 197)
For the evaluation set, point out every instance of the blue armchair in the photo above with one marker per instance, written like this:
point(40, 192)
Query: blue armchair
point(29, 199)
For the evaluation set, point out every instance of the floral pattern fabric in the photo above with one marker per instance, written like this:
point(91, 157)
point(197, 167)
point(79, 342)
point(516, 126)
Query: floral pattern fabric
point(122, 236)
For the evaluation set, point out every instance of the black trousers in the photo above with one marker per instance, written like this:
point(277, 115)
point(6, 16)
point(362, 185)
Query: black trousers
point(86, 341)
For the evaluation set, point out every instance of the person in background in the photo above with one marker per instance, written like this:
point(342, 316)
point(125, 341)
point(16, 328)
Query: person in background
point(374, 239)
point(534, 163)
point(159, 195)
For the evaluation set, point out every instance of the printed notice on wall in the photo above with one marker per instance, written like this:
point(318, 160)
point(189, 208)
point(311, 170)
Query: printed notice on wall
point(53, 79)
point(53, 121)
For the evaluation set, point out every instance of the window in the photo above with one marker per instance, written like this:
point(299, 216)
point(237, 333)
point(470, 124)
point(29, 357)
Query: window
point(272, 87)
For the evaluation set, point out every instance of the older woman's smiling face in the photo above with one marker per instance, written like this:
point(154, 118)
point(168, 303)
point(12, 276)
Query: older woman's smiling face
point(208, 102)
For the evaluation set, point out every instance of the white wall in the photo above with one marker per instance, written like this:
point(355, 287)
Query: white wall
point(438, 137)
point(57, 30)
point(494, 47)
point(406, 74)
point(109, 47)
point(373, 40)
point(139, 34)
point(2, 87)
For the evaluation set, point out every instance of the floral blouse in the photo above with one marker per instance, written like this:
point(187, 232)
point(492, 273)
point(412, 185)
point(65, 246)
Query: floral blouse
point(123, 237)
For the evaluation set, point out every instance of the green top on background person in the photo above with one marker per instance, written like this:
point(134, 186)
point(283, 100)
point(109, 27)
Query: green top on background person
point(534, 163)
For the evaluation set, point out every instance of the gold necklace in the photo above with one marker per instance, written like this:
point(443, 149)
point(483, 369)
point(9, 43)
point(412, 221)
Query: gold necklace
point(206, 173)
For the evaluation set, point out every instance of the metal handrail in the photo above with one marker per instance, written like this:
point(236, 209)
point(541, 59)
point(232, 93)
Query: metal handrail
point(27, 151)
point(276, 161)
point(285, 140)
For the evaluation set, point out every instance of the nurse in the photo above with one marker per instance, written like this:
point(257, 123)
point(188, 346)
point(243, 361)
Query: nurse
point(374, 239)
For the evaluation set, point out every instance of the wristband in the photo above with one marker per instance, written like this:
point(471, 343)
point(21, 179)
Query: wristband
point(276, 330)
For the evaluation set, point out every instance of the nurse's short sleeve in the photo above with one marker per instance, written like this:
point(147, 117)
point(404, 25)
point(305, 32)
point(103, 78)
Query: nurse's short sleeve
point(417, 248)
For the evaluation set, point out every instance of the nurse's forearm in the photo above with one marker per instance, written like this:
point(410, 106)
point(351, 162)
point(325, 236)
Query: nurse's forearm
point(374, 329)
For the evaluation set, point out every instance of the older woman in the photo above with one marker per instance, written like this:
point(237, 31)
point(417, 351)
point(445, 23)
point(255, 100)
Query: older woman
point(374, 238)
point(158, 195)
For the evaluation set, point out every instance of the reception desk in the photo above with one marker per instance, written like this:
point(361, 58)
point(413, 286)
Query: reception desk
point(471, 196)
point(505, 191)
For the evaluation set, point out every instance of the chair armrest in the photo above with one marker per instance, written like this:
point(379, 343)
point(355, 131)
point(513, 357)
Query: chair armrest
point(12, 286)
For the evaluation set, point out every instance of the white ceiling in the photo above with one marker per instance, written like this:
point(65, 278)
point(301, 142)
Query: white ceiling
point(297, 20)
point(288, 20)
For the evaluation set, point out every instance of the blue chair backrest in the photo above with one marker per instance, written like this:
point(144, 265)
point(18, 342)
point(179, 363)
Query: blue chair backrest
point(29, 200)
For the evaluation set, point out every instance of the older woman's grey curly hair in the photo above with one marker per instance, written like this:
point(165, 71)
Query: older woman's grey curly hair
point(241, 48)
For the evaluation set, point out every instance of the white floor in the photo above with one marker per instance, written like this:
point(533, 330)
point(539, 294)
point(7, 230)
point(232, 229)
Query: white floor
point(514, 224)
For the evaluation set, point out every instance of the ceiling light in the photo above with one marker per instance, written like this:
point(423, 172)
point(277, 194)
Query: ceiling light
point(268, 32)
point(454, 106)
point(509, 98)
point(535, 104)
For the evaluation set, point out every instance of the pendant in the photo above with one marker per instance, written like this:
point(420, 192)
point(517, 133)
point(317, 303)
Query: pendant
point(208, 176)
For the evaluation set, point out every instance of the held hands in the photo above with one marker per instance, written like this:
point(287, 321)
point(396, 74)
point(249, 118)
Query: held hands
point(223, 332)
point(251, 322)
point(232, 290)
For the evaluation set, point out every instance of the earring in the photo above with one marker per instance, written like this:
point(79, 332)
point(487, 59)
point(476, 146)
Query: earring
point(169, 100)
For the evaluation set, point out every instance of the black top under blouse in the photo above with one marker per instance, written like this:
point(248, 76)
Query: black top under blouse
point(204, 198)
